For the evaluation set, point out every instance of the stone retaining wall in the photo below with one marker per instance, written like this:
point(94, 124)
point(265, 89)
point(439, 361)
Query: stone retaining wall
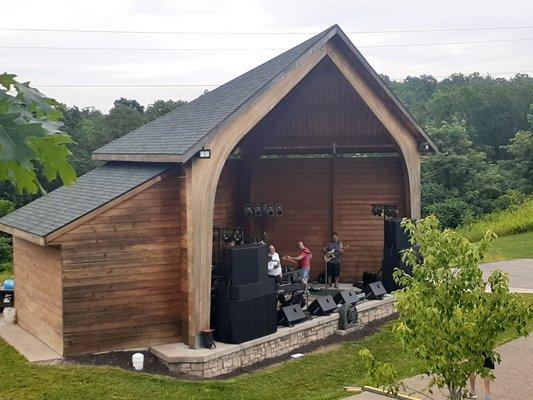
point(226, 358)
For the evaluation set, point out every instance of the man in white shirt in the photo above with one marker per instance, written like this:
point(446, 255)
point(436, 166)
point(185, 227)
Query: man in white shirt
point(274, 263)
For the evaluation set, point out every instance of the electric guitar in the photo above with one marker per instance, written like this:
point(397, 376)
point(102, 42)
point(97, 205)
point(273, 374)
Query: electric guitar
point(330, 255)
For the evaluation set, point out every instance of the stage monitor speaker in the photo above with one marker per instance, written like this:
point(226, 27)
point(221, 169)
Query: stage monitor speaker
point(246, 264)
point(395, 240)
point(290, 315)
point(346, 297)
point(322, 305)
point(376, 290)
point(242, 292)
point(237, 321)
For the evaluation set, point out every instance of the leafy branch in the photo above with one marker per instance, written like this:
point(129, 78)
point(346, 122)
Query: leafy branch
point(30, 136)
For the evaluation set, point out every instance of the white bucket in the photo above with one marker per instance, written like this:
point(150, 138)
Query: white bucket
point(138, 361)
point(10, 315)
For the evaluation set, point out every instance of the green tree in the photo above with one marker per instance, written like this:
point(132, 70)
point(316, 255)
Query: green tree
point(447, 319)
point(161, 107)
point(130, 103)
point(30, 137)
point(121, 120)
point(520, 164)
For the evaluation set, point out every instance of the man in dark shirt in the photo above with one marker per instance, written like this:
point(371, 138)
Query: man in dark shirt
point(333, 251)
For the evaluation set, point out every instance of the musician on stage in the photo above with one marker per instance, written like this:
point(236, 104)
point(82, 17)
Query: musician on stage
point(333, 251)
point(274, 264)
point(304, 262)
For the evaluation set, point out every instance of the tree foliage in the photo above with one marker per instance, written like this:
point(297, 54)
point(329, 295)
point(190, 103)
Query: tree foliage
point(448, 321)
point(30, 137)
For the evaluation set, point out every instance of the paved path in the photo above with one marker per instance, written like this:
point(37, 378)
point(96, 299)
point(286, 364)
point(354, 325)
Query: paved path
point(520, 274)
point(514, 376)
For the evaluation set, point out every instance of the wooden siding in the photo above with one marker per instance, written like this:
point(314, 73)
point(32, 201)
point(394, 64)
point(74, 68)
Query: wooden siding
point(38, 291)
point(121, 274)
point(225, 198)
point(328, 110)
point(315, 205)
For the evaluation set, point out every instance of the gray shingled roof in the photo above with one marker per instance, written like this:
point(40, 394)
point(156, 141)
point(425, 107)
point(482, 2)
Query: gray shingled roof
point(92, 190)
point(178, 135)
point(179, 130)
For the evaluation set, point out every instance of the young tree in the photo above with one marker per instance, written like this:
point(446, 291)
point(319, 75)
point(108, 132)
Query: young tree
point(30, 137)
point(448, 321)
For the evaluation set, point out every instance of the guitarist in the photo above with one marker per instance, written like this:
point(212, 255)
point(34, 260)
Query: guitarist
point(333, 251)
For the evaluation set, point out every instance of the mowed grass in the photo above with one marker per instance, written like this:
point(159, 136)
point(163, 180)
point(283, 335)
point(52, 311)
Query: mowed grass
point(511, 247)
point(315, 376)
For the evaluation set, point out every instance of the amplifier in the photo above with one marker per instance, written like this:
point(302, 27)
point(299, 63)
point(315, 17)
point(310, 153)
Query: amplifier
point(348, 316)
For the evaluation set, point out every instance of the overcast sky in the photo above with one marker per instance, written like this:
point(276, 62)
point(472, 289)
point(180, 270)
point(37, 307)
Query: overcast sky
point(499, 53)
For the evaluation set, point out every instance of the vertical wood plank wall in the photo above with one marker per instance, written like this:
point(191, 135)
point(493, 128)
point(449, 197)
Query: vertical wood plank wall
point(121, 274)
point(304, 187)
point(38, 291)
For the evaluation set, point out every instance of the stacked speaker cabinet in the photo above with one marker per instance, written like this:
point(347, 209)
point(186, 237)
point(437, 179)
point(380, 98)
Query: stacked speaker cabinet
point(245, 300)
point(395, 240)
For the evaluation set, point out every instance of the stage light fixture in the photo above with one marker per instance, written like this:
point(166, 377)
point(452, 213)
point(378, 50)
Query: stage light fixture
point(391, 211)
point(278, 209)
point(269, 210)
point(204, 153)
point(377, 210)
point(258, 210)
point(248, 210)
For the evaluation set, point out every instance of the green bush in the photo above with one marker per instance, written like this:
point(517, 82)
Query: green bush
point(5, 249)
point(450, 212)
point(6, 207)
point(516, 219)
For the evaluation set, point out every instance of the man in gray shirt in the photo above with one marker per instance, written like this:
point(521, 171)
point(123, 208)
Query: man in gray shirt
point(333, 251)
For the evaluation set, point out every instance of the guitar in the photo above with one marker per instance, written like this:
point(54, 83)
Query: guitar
point(330, 255)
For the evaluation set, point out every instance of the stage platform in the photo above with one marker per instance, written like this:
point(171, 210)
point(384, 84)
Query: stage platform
point(225, 358)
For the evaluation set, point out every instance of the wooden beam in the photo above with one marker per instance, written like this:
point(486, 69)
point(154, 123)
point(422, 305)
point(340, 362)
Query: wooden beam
point(205, 174)
point(172, 158)
point(19, 233)
point(398, 130)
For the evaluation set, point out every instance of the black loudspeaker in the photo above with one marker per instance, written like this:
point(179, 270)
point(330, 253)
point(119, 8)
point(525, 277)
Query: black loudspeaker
point(322, 305)
point(291, 315)
point(242, 292)
point(346, 297)
point(376, 290)
point(246, 264)
point(395, 240)
point(237, 321)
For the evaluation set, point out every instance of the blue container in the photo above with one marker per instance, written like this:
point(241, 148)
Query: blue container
point(9, 284)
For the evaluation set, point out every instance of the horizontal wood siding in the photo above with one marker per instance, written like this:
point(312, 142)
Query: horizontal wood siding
point(121, 274)
point(312, 210)
point(38, 291)
point(358, 184)
point(225, 197)
point(303, 187)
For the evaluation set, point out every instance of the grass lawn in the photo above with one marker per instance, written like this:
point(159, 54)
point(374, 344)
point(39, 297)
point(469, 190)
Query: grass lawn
point(511, 247)
point(315, 376)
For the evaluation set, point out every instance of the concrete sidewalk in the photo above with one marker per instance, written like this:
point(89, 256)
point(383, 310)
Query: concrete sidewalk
point(514, 376)
point(520, 274)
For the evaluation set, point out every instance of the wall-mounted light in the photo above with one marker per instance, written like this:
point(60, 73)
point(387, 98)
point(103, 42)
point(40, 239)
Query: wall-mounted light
point(424, 147)
point(279, 209)
point(204, 153)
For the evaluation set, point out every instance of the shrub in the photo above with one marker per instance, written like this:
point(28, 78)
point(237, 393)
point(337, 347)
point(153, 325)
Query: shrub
point(6, 207)
point(516, 219)
point(5, 249)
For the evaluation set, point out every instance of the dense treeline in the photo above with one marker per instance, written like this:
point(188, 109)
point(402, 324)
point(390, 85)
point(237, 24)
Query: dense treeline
point(482, 126)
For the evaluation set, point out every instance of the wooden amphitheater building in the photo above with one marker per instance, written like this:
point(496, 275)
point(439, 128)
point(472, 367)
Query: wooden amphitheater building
point(123, 257)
